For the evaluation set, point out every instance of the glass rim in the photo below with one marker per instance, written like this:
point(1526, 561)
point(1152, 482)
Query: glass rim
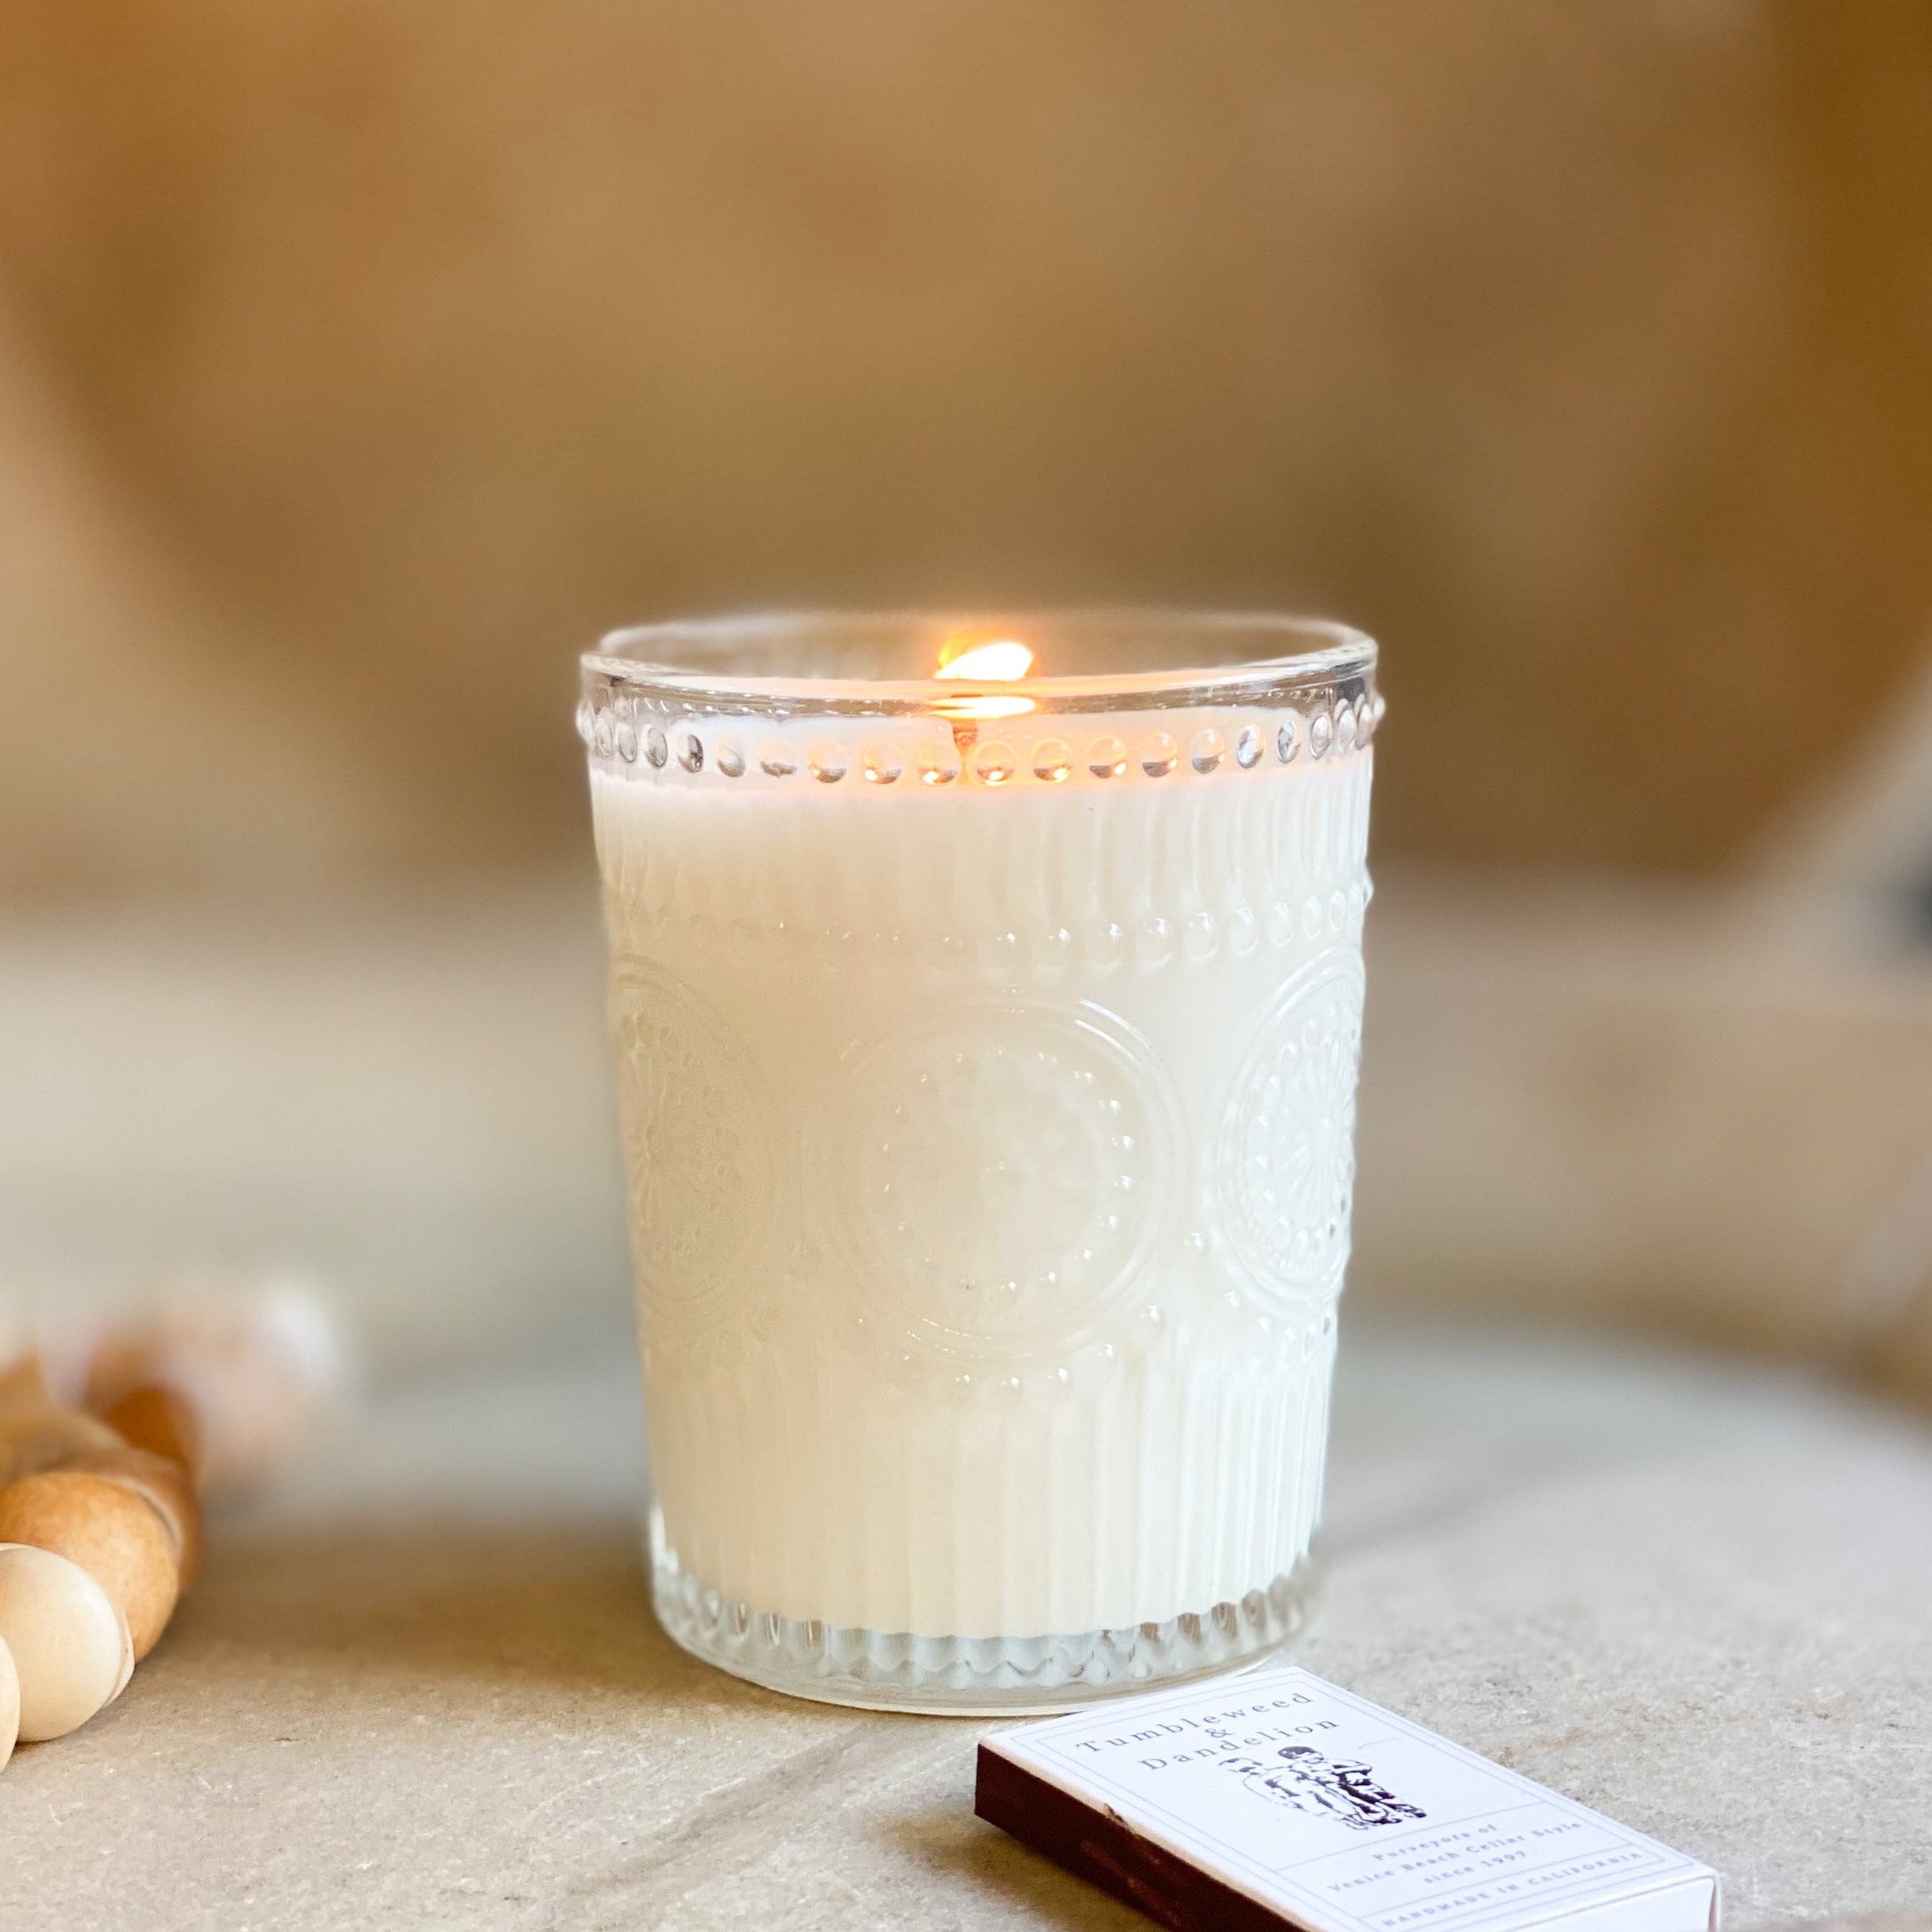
point(643, 659)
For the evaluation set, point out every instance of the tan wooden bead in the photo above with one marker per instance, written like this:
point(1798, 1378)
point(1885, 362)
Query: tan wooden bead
point(23, 1388)
point(124, 1676)
point(112, 1533)
point(10, 1703)
point(32, 1439)
point(159, 1419)
point(165, 1485)
point(258, 1371)
point(65, 1636)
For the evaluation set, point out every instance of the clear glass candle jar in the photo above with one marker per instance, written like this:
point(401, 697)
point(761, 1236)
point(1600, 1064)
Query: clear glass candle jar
point(986, 1054)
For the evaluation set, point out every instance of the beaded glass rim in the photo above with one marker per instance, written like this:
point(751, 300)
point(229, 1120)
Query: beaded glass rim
point(1226, 657)
point(727, 719)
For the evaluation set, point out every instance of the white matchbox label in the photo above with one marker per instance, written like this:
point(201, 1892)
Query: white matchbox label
point(1277, 1793)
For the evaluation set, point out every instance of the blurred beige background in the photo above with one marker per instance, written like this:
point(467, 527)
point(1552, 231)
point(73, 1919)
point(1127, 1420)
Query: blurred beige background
point(360, 360)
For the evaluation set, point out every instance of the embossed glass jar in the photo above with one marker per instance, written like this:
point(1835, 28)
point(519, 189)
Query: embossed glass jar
point(986, 1055)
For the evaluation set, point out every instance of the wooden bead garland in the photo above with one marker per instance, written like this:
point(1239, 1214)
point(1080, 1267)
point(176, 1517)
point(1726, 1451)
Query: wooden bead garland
point(98, 1536)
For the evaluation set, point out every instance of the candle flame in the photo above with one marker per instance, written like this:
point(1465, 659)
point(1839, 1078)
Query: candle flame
point(1003, 660)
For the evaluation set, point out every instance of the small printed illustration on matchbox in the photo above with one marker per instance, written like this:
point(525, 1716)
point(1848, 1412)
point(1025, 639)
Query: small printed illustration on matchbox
point(1342, 1788)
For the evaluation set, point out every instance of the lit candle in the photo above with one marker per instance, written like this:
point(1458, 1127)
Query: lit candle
point(986, 1050)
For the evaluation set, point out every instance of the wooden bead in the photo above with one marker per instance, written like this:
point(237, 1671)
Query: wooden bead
point(36, 1439)
point(124, 1676)
point(164, 1484)
point(159, 1419)
point(64, 1637)
point(10, 1704)
point(23, 1388)
point(258, 1372)
point(112, 1533)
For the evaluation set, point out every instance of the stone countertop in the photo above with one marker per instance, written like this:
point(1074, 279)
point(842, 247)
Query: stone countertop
point(420, 1687)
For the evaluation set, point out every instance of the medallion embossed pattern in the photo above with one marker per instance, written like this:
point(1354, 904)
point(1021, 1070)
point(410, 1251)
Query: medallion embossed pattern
point(1287, 1166)
point(697, 1174)
point(1012, 1178)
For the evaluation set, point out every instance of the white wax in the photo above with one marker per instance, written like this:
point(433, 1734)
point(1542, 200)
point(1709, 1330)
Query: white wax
point(989, 1151)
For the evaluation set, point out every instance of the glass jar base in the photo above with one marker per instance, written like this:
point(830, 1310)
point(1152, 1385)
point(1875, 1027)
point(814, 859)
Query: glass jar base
point(962, 1677)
